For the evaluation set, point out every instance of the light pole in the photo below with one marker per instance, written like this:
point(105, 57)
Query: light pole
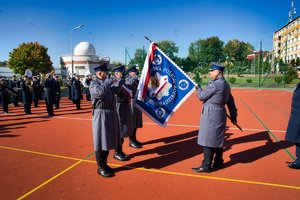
point(77, 27)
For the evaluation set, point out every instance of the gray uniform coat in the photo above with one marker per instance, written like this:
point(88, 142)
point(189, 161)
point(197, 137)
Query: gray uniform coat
point(293, 129)
point(105, 123)
point(213, 118)
point(123, 108)
point(132, 82)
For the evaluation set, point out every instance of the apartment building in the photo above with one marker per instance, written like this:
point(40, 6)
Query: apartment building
point(286, 41)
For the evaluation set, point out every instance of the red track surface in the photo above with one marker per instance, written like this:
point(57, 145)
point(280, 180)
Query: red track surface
point(43, 158)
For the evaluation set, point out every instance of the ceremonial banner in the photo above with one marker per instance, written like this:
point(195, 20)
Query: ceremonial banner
point(163, 86)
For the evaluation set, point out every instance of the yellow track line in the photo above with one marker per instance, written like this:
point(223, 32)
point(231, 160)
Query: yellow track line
point(150, 170)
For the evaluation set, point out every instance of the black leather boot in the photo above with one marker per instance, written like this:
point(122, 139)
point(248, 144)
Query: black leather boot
point(120, 155)
point(133, 141)
point(103, 169)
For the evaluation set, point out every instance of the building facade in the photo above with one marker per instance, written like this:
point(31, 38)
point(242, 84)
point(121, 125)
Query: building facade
point(84, 60)
point(286, 41)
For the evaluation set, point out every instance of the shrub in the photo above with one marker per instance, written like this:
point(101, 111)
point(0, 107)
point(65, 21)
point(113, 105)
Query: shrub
point(249, 80)
point(288, 79)
point(232, 80)
point(278, 79)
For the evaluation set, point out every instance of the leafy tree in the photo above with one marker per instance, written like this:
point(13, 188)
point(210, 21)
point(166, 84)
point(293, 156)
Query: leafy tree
point(237, 51)
point(139, 58)
point(206, 50)
point(169, 48)
point(31, 56)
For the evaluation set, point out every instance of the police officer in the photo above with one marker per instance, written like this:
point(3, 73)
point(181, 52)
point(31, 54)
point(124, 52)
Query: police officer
point(13, 87)
point(49, 94)
point(86, 82)
point(213, 119)
point(35, 91)
point(293, 129)
point(57, 92)
point(124, 110)
point(132, 81)
point(105, 121)
point(26, 85)
point(4, 95)
point(77, 92)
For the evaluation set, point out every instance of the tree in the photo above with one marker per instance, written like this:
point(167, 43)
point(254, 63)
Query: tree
point(207, 50)
point(169, 48)
point(31, 56)
point(237, 51)
point(139, 58)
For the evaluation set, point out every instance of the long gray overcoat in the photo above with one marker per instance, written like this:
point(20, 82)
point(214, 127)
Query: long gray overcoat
point(213, 118)
point(293, 129)
point(132, 82)
point(123, 108)
point(105, 123)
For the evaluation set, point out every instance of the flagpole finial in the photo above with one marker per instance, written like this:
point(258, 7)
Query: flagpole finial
point(148, 39)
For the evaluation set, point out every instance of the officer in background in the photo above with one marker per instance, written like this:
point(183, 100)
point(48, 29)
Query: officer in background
point(35, 91)
point(57, 91)
point(213, 119)
point(132, 82)
point(77, 92)
point(69, 86)
point(49, 94)
point(105, 121)
point(26, 87)
point(124, 110)
point(4, 95)
point(86, 83)
point(13, 86)
point(293, 129)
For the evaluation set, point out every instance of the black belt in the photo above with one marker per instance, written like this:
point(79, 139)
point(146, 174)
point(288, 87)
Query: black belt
point(122, 101)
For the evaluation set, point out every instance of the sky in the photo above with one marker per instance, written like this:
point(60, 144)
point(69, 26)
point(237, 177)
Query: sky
point(113, 25)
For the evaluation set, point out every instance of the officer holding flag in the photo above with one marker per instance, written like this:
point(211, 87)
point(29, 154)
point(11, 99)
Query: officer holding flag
point(215, 96)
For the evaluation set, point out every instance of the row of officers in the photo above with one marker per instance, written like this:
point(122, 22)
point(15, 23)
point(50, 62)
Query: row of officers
point(114, 116)
point(30, 90)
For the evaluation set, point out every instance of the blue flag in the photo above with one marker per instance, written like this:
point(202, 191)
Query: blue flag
point(163, 86)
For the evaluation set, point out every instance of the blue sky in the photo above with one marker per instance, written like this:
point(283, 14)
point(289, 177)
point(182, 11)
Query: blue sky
point(113, 25)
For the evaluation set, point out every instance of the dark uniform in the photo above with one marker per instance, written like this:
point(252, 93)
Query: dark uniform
point(13, 87)
point(35, 91)
point(4, 95)
point(132, 81)
point(76, 92)
point(293, 129)
point(49, 94)
point(86, 83)
point(57, 92)
point(26, 94)
point(213, 119)
point(105, 121)
point(124, 112)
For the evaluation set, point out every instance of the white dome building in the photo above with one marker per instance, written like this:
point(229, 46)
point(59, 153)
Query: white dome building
point(84, 60)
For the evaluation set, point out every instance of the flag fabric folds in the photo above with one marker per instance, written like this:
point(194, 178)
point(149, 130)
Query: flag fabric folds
point(163, 86)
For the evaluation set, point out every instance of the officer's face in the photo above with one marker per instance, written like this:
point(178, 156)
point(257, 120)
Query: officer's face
point(101, 75)
point(214, 73)
point(118, 74)
point(132, 73)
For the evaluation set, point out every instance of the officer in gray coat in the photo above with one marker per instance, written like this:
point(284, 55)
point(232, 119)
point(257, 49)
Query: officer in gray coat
point(293, 129)
point(132, 81)
point(213, 119)
point(105, 121)
point(123, 95)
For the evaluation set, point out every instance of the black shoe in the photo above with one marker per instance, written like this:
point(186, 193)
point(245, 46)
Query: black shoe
point(293, 165)
point(200, 169)
point(135, 145)
point(121, 156)
point(105, 172)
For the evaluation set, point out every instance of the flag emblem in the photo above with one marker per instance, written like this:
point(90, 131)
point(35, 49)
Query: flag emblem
point(163, 86)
